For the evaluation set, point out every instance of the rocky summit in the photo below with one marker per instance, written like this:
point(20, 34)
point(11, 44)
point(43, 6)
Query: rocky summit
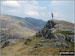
point(60, 33)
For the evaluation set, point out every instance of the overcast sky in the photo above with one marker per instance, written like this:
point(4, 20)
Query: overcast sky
point(63, 10)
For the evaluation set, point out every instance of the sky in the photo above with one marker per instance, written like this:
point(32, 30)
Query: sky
point(40, 9)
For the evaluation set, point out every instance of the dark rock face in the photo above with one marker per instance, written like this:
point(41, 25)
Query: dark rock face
point(50, 24)
point(46, 32)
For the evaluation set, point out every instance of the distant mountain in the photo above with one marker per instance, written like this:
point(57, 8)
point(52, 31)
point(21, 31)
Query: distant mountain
point(13, 27)
point(32, 23)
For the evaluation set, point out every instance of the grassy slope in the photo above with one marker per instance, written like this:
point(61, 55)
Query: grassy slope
point(20, 48)
point(65, 32)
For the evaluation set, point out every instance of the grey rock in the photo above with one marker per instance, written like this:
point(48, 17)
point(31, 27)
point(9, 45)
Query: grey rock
point(60, 44)
point(43, 41)
point(60, 36)
point(5, 44)
point(65, 45)
point(70, 38)
point(56, 44)
point(45, 45)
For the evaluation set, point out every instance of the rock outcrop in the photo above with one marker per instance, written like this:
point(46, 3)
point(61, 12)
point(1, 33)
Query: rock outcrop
point(61, 31)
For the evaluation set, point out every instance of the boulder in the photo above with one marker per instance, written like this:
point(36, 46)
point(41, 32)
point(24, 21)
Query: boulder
point(65, 45)
point(59, 44)
point(27, 41)
point(56, 44)
point(38, 45)
point(70, 38)
point(5, 44)
point(60, 36)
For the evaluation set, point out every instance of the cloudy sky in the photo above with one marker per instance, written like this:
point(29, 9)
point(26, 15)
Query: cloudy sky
point(63, 10)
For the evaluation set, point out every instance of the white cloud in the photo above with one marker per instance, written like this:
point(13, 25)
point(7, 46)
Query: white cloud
point(32, 5)
point(43, 8)
point(11, 3)
point(56, 3)
point(28, 8)
point(12, 11)
point(32, 13)
point(43, 14)
point(33, 2)
point(32, 8)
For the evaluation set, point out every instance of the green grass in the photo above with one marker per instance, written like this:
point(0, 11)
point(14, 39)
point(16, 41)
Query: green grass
point(67, 42)
point(46, 29)
point(65, 32)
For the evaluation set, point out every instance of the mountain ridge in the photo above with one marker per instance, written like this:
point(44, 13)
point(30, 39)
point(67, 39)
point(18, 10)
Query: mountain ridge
point(30, 21)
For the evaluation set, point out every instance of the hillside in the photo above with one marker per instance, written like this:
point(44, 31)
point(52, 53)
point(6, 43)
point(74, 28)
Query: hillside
point(14, 28)
point(31, 23)
point(56, 36)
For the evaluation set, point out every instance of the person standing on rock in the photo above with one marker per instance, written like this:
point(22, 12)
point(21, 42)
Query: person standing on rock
point(52, 15)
